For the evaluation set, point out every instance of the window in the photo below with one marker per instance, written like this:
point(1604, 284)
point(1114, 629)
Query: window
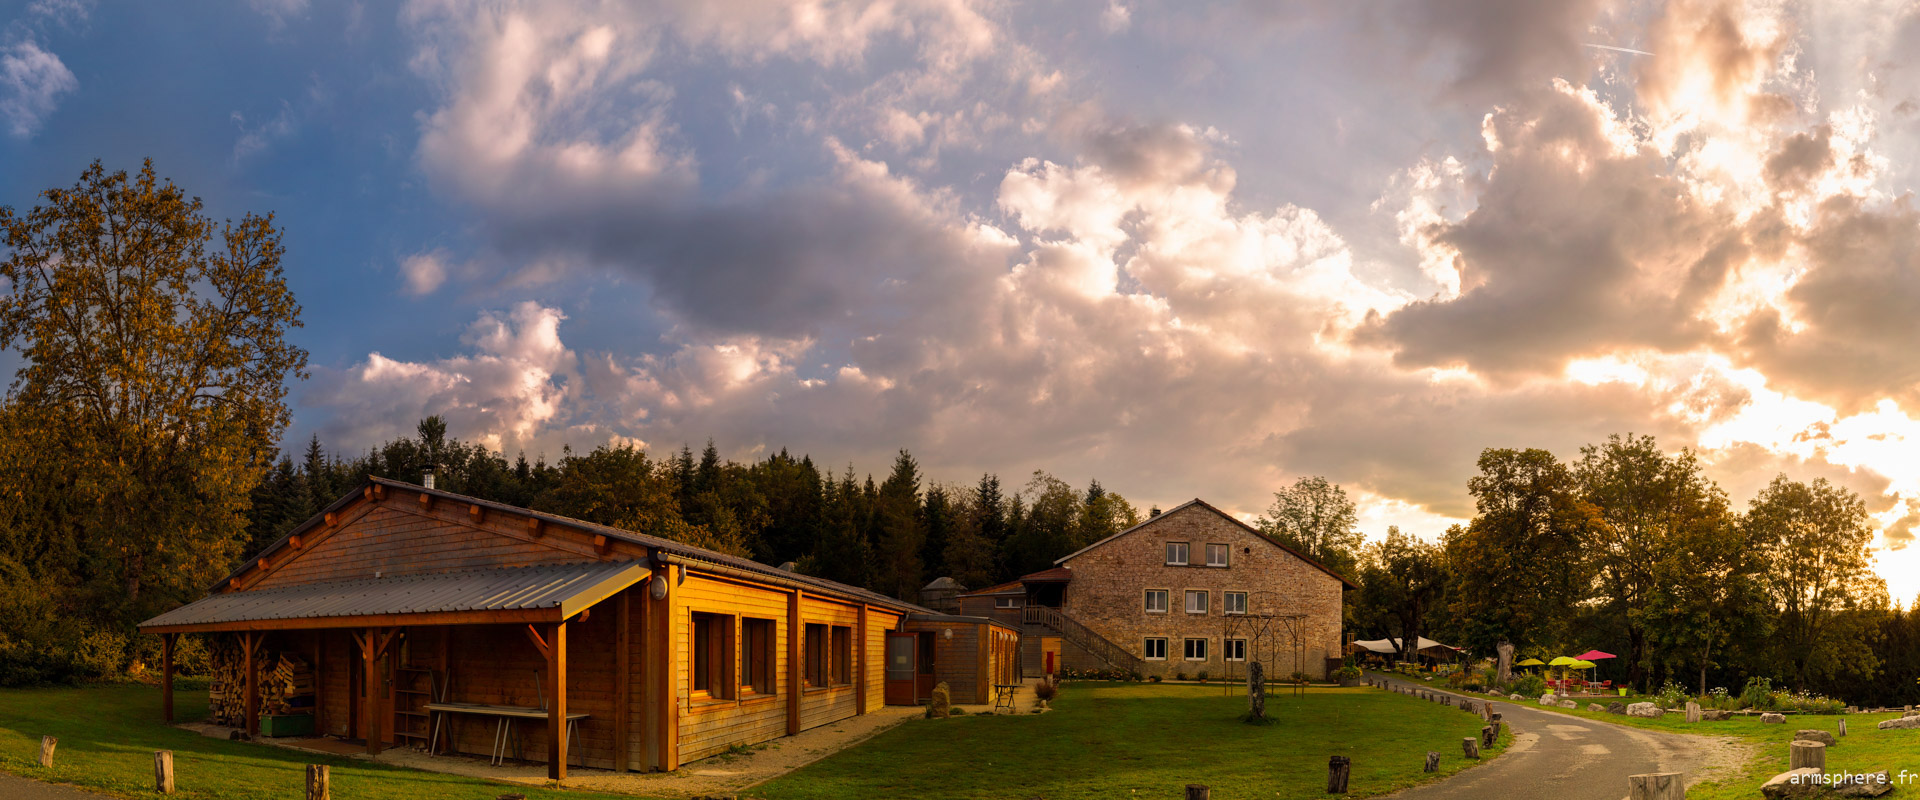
point(1233, 603)
point(1176, 554)
point(1196, 601)
point(842, 655)
point(1217, 555)
point(1234, 649)
point(1156, 649)
point(1156, 601)
point(1006, 602)
point(756, 656)
point(1196, 649)
point(712, 653)
point(816, 645)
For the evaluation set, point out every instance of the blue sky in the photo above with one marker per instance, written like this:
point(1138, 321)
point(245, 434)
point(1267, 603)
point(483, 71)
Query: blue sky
point(1190, 249)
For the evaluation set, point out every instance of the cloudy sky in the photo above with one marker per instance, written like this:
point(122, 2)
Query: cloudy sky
point(1192, 250)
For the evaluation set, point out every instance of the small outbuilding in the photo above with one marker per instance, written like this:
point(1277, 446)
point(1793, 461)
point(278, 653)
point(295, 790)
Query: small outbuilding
point(970, 654)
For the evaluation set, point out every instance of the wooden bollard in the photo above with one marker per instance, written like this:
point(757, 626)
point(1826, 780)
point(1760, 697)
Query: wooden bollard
point(1338, 769)
point(1801, 755)
point(1471, 746)
point(1486, 736)
point(1843, 727)
point(163, 771)
point(1657, 786)
point(1197, 792)
point(1495, 725)
point(1433, 761)
point(47, 743)
point(1693, 711)
point(318, 782)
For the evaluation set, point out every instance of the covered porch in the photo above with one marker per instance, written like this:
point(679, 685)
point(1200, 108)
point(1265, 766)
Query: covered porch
point(446, 662)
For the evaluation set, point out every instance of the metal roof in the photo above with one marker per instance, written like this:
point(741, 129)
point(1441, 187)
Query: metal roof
point(564, 589)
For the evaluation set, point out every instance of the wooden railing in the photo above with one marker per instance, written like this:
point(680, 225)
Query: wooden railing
point(1070, 629)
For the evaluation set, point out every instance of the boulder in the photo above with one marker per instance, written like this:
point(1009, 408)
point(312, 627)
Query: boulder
point(1568, 704)
point(1903, 722)
point(1596, 707)
point(1648, 710)
point(1793, 785)
point(1616, 708)
point(1515, 696)
point(1811, 735)
point(1911, 714)
point(1868, 784)
point(941, 705)
point(1771, 718)
point(1715, 715)
point(1546, 699)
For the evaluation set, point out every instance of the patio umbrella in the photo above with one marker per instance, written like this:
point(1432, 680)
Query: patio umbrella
point(1583, 664)
point(1531, 662)
point(1562, 661)
point(1594, 655)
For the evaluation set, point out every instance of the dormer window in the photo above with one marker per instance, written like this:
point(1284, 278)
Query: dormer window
point(1176, 554)
point(1217, 555)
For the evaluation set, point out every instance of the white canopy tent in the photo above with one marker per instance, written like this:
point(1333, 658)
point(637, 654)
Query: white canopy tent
point(1424, 646)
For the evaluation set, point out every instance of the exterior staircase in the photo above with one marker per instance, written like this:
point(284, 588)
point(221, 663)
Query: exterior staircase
point(1084, 637)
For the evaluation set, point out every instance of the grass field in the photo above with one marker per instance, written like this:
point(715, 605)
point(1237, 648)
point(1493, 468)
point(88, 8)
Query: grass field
point(1865, 748)
point(1109, 740)
point(108, 735)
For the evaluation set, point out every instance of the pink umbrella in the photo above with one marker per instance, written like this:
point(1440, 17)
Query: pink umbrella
point(1593, 655)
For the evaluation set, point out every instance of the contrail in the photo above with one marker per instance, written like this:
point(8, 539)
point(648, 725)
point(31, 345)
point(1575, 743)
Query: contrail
point(1621, 49)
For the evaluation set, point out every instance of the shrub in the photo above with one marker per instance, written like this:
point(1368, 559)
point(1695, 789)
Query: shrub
point(1045, 691)
point(1202, 676)
point(1529, 685)
point(1346, 673)
point(1758, 694)
point(1179, 676)
point(1300, 678)
point(1463, 680)
point(1154, 678)
point(1671, 696)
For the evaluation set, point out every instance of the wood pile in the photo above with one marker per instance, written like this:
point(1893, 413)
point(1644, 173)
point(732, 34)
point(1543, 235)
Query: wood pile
point(286, 683)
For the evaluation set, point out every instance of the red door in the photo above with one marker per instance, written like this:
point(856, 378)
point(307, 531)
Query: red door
point(900, 669)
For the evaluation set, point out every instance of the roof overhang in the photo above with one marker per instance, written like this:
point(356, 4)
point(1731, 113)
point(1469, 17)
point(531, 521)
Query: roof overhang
point(552, 593)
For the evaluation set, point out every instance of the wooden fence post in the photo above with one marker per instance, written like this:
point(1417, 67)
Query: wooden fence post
point(47, 743)
point(1471, 747)
point(1657, 786)
point(318, 782)
point(1433, 761)
point(1843, 727)
point(1197, 792)
point(1693, 711)
point(1801, 755)
point(1338, 769)
point(163, 771)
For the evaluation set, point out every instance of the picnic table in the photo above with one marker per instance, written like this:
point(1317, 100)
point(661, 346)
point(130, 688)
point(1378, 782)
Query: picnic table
point(504, 717)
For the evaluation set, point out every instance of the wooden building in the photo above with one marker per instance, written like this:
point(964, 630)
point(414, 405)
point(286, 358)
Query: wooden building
point(446, 622)
point(969, 654)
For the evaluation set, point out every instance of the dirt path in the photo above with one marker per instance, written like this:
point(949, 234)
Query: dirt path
point(1575, 758)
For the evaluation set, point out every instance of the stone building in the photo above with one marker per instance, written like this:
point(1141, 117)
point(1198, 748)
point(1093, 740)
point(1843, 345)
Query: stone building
point(1191, 590)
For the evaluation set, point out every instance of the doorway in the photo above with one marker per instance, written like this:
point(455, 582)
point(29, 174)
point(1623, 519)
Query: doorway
point(901, 671)
point(923, 689)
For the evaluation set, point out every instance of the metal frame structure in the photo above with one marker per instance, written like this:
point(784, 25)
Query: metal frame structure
point(1265, 629)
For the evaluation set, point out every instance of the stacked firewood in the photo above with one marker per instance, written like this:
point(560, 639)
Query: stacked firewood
point(288, 687)
point(227, 693)
point(286, 683)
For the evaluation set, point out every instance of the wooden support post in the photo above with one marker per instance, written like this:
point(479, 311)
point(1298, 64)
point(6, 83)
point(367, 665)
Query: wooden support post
point(1197, 792)
point(1338, 768)
point(1471, 747)
point(796, 636)
point(622, 678)
point(319, 782)
point(665, 652)
point(319, 683)
point(166, 677)
point(1657, 786)
point(250, 643)
point(47, 743)
point(1433, 761)
point(370, 672)
point(163, 771)
point(1801, 755)
point(557, 702)
point(860, 662)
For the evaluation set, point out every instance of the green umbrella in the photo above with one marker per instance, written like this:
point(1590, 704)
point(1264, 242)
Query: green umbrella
point(1531, 662)
point(1562, 661)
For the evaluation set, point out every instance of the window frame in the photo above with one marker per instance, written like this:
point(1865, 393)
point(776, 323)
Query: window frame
point(1166, 601)
point(1186, 554)
point(757, 658)
point(713, 662)
point(815, 652)
point(1226, 603)
point(1226, 555)
point(1146, 649)
point(1006, 602)
point(1206, 602)
point(1227, 648)
point(1187, 649)
point(840, 659)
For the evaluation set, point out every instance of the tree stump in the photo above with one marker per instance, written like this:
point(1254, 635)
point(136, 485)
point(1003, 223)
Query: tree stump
point(1471, 746)
point(1802, 755)
point(1657, 786)
point(1693, 711)
point(1433, 761)
point(47, 743)
point(1486, 736)
point(163, 771)
point(1495, 725)
point(1197, 792)
point(1256, 692)
point(1843, 727)
point(1504, 671)
point(1338, 769)
point(319, 782)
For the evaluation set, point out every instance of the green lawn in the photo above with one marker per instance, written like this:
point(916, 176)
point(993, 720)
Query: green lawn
point(1865, 748)
point(108, 735)
point(1110, 740)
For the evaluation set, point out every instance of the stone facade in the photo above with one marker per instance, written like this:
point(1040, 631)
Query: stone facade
point(1108, 593)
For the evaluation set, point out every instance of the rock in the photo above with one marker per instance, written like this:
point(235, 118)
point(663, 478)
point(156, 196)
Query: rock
point(1798, 783)
point(1903, 722)
point(1811, 735)
point(1911, 714)
point(1773, 719)
point(1515, 696)
point(1715, 715)
point(1616, 708)
point(1870, 784)
point(941, 706)
point(1647, 710)
point(1596, 707)
point(1546, 699)
point(1568, 704)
